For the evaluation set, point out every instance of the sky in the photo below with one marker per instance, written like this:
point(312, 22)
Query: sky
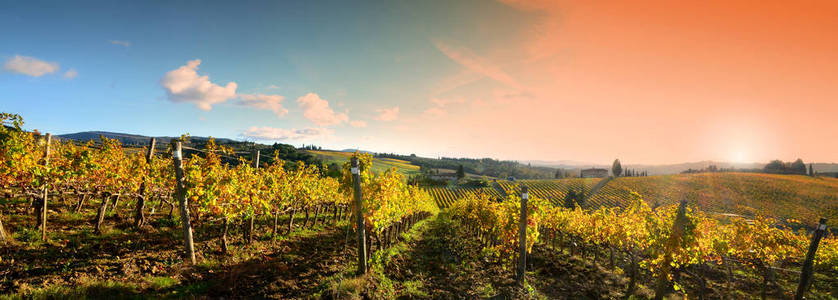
point(589, 81)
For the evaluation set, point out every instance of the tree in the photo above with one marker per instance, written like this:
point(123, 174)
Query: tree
point(811, 171)
point(798, 167)
point(570, 198)
point(616, 168)
point(775, 166)
point(461, 173)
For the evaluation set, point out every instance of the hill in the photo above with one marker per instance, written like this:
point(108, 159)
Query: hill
point(132, 139)
point(666, 169)
point(784, 197)
point(379, 164)
point(797, 197)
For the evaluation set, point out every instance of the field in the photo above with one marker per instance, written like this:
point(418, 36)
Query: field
point(553, 190)
point(801, 198)
point(102, 221)
point(379, 164)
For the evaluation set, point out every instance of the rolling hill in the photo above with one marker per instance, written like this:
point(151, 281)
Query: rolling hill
point(783, 197)
point(379, 165)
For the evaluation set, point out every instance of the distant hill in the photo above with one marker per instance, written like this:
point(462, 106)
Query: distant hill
point(665, 169)
point(781, 196)
point(131, 139)
point(379, 165)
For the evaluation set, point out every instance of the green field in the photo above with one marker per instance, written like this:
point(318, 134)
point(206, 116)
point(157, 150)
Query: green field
point(379, 165)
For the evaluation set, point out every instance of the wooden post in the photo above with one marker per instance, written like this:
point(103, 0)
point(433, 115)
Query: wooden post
point(3, 237)
point(46, 191)
point(100, 215)
point(522, 232)
point(806, 272)
point(180, 194)
point(359, 216)
point(139, 216)
point(253, 215)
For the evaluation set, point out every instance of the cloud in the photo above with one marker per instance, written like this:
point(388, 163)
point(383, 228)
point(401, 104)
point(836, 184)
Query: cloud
point(30, 66)
point(121, 43)
point(358, 124)
point(476, 64)
point(442, 102)
point(185, 85)
point(262, 101)
point(281, 134)
point(435, 112)
point(387, 114)
point(318, 111)
point(71, 73)
point(273, 87)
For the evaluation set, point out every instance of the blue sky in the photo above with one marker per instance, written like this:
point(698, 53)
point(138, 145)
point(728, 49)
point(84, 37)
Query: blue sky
point(358, 57)
point(510, 79)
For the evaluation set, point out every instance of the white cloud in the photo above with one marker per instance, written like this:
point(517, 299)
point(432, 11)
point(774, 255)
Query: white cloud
point(120, 43)
point(30, 66)
point(281, 134)
point(358, 124)
point(387, 114)
point(273, 87)
point(262, 101)
point(442, 102)
point(71, 73)
point(318, 111)
point(185, 85)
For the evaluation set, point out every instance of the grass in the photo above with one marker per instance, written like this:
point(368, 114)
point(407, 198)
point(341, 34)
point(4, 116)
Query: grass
point(379, 165)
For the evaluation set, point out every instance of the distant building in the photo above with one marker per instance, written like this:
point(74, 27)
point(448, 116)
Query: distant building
point(593, 173)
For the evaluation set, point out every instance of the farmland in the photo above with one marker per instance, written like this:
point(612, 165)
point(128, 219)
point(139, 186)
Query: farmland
point(800, 198)
point(380, 165)
point(102, 221)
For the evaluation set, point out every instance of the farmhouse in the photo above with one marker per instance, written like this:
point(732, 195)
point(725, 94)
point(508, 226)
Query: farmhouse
point(593, 173)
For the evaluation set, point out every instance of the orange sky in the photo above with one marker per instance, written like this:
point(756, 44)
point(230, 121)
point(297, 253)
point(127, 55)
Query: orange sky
point(647, 81)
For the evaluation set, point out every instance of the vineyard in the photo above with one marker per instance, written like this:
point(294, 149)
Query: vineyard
point(793, 199)
point(208, 189)
point(654, 246)
point(796, 197)
point(554, 191)
point(98, 212)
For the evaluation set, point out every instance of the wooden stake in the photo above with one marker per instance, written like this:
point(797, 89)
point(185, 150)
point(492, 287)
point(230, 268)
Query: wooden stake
point(522, 233)
point(806, 272)
point(359, 216)
point(139, 215)
point(180, 194)
point(46, 191)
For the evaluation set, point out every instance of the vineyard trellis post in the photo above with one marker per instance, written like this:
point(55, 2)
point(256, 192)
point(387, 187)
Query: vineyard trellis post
point(180, 192)
point(522, 232)
point(806, 272)
point(139, 215)
point(46, 190)
point(251, 226)
point(359, 216)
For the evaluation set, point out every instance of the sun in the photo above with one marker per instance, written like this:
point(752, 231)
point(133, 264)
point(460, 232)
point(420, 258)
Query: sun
point(739, 156)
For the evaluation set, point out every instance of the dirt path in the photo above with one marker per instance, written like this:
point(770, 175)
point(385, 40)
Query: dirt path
point(441, 263)
point(297, 269)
